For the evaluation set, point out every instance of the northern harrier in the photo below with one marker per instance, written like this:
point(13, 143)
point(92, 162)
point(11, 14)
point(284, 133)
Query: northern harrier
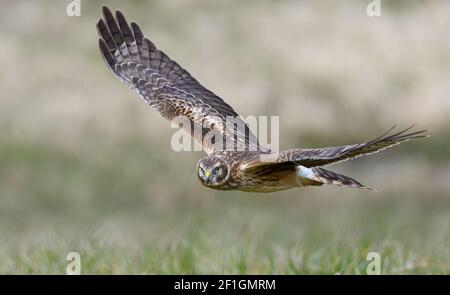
point(173, 92)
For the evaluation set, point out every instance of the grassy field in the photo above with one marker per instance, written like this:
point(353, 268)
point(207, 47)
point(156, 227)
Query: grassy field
point(225, 241)
point(86, 167)
point(118, 223)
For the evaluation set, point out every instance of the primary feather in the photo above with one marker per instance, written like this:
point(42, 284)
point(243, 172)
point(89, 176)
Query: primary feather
point(332, 155)
point(166, 86)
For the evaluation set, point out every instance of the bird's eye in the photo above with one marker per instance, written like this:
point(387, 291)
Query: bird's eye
point(216, 171)
point(201, 171)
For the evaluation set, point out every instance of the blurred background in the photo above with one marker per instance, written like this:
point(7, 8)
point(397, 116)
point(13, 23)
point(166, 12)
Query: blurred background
point(86, 166)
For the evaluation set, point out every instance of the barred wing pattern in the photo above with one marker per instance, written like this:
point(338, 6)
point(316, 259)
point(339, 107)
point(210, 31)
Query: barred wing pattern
point(166, 86)
point(314, 159)
point(331, 155)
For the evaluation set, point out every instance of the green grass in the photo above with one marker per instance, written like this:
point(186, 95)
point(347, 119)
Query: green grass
point(237, 241)
point(112, 209)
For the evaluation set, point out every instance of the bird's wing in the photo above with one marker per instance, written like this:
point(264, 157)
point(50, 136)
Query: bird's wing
point(331, 155)
point(169, 88)
point(286, 160)
point(257, 169)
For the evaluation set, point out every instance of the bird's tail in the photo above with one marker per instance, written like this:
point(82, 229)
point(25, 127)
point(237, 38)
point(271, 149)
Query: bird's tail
point(319, 176)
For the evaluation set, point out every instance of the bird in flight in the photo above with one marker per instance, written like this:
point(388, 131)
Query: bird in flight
point(173, 92)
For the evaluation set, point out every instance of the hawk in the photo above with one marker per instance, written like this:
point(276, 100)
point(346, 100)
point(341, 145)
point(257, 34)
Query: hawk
point(173, 92)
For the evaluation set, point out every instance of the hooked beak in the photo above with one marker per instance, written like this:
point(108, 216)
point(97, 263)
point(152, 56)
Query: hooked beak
point(208, 176)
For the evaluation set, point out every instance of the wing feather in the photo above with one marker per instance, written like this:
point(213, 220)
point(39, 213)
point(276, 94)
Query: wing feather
point(165, 85)
point(331, 155)
point(325, 156)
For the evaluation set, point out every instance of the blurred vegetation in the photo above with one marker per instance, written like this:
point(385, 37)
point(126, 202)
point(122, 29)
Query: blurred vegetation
point(85, 166)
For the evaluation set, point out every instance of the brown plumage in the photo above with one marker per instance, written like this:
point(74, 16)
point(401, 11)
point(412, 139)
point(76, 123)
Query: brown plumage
point(173, 92)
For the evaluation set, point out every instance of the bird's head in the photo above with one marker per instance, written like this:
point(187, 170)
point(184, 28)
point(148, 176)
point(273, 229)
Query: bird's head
point(212, 171)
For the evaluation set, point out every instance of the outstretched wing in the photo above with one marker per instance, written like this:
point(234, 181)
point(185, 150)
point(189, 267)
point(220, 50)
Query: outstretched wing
point(331, 155)
point(288, 160)
point(169, 88)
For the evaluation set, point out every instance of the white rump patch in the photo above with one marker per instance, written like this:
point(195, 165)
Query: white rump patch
point(305, 172)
